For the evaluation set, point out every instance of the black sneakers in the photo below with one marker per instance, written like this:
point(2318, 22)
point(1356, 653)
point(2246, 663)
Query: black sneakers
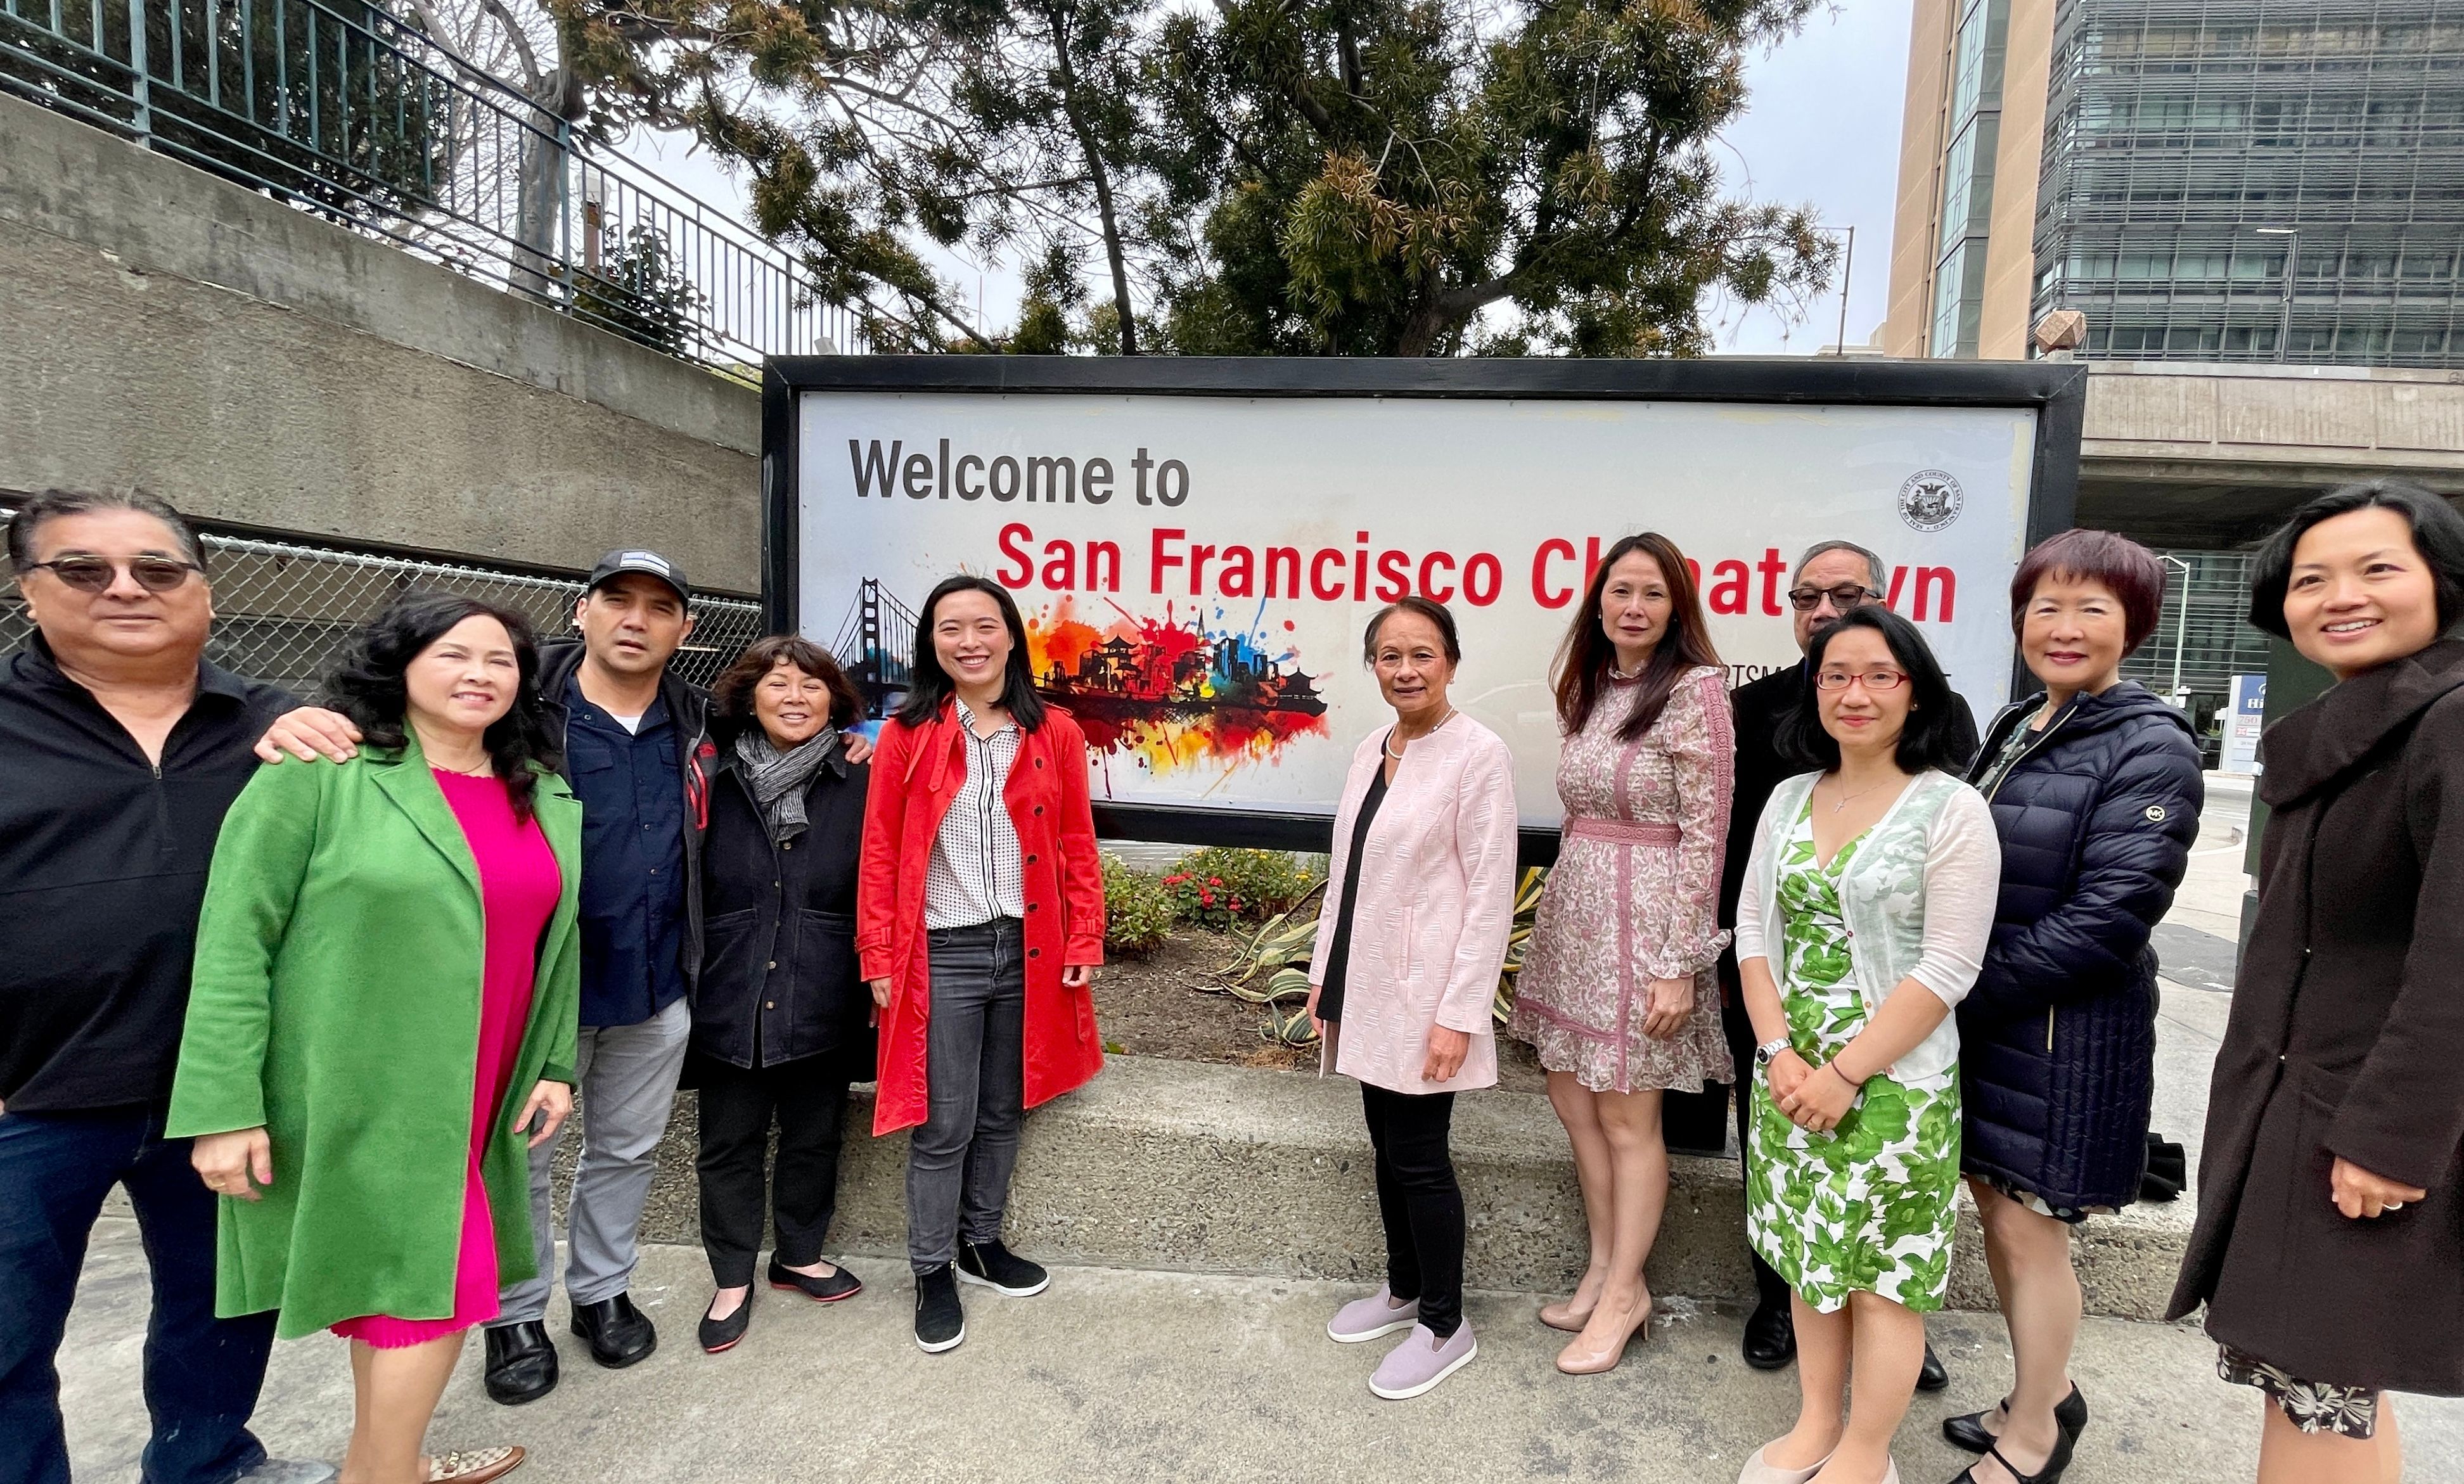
point(940, 1323)
point(995, 1267)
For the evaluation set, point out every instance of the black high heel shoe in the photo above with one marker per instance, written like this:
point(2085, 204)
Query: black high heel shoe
point(1967, 1430)
point(2056, 1462)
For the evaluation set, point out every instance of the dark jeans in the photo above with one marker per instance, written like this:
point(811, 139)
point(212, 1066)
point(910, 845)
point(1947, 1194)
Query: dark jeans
point(1419, 1200)
point(959, 1162)
point(1769, 1288)
point(202, 1373)
point(807, 1100)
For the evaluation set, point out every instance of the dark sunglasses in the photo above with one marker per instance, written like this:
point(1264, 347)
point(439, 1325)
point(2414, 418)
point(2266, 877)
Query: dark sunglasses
point(1805, 600)
point(95, 574)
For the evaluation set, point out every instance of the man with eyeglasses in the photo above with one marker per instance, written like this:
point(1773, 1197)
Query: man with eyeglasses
point(1831, 578)
point(122, 748)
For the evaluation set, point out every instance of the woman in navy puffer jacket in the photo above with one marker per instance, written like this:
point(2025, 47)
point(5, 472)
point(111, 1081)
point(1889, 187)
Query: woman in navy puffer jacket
point(2095, 791)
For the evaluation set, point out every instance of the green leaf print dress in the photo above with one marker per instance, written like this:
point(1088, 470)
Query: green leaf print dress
point(1871, 1206)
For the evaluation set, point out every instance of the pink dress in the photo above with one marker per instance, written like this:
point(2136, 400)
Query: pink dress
point(519, 883)
point(1634, 895)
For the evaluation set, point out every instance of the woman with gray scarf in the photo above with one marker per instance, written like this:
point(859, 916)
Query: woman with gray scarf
point(781, 1021)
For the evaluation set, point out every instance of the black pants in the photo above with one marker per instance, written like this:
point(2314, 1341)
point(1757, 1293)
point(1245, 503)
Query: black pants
point(1419, 1200)
point(202, 1373)
point(961, 1159)
point(807, 1098)
point(1769, 1288)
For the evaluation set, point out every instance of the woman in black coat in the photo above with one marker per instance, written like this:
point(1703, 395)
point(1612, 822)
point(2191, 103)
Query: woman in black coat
point(2095, 789)
point(2329, 1248)
point(781, 1019)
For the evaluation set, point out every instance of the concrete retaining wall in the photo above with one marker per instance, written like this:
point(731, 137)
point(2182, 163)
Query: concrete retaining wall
point(168, 330)
point(1195, 1167)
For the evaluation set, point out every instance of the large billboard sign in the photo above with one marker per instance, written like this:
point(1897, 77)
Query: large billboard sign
point(1197, 545)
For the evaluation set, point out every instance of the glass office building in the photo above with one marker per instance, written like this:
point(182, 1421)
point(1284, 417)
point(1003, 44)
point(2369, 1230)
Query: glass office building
point(2206, 180)
point(2253, 180)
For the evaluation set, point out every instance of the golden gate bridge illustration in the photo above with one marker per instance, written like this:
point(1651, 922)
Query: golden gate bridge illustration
point(1169, 673)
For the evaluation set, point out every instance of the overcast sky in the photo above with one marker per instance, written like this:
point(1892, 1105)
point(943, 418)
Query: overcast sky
point(1821, 129)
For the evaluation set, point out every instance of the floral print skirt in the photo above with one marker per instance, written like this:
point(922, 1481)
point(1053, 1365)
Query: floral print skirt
point(2312, 1405)
point(1871, 1206)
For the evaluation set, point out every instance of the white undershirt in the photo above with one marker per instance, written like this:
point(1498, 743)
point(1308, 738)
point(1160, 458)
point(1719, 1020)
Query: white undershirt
point(631, 724)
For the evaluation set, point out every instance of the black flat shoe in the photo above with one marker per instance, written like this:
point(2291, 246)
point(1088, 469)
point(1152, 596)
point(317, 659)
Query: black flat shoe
point(2051, 1473)
point(1770, 1337)
point(839, 1285)
point(719, 1335)
point(522, 1363)
point(1930, 1376)
point(619, 1334)
point(1967, 1430)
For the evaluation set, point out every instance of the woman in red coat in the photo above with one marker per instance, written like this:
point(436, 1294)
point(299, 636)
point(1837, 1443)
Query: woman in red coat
point(980, 924)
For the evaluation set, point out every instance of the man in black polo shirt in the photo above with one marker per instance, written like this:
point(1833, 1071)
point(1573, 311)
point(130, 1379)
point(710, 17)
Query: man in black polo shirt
point(1831, 577)
point(120, 748)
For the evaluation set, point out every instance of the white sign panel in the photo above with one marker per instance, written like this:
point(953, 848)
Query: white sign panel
point(1195, 570)
point(2243, 724)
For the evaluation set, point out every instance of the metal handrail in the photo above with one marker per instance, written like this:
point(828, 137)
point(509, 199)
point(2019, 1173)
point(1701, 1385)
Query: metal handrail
point(342, 110)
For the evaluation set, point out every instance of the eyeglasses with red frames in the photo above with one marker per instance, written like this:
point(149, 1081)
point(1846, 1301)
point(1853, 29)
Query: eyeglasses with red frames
point(1874, 680)
point(96, 574)
point(1843, 597)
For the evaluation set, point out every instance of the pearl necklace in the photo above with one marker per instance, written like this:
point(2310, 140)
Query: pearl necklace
point(1388, 745)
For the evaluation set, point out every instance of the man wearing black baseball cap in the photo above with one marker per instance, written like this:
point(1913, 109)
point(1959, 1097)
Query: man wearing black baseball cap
point(636, 745)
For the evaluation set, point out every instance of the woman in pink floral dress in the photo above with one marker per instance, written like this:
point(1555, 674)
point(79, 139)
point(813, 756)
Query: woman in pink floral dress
point(1618, 990)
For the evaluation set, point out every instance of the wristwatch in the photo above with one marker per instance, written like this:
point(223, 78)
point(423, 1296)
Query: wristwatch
point(1764, 1053)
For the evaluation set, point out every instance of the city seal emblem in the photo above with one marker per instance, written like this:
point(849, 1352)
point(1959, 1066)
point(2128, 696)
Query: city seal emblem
point(1930, 500)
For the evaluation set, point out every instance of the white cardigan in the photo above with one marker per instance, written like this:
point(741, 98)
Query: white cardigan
point(1919, 897)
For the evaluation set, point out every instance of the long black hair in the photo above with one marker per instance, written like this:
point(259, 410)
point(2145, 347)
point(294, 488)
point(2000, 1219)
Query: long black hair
point(1585, 654)
point(1929, 739)
point(368, 685)
point(2437, 531)
point(929, 685)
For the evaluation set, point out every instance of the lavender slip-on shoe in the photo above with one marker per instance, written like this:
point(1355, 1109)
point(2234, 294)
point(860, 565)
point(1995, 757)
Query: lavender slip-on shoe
point(1372, 1317)
point(1421, 1361)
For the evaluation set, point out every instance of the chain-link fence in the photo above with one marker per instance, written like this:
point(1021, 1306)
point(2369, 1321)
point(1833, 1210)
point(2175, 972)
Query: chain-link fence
point(283, 608)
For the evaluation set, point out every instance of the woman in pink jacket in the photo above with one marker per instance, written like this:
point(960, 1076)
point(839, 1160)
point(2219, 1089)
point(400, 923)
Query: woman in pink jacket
point(1406, 971)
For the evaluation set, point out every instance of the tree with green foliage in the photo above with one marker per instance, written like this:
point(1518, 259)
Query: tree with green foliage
point(1412, 177)
point(1328, 177)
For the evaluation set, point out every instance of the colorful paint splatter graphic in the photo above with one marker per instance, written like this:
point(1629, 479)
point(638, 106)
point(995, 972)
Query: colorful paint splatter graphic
point(1175, 694)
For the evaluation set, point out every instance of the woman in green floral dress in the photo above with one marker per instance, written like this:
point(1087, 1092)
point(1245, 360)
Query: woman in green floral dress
point(1868, 903)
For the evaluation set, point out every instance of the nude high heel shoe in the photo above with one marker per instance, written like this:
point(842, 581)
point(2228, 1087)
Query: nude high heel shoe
point(1757, 1472)
point(1563, 1314)
point(1575, 1361)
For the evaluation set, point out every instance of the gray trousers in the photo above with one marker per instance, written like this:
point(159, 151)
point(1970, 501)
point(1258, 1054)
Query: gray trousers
point(959, 1162)
point(627, 1086)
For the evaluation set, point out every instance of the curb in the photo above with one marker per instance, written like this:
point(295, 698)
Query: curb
point(1190, 1167)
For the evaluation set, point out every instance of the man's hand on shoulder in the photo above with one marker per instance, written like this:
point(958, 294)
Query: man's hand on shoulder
point(308, 733)
point(859, 749)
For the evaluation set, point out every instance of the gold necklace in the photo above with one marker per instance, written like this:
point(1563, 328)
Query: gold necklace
point(1388, 745)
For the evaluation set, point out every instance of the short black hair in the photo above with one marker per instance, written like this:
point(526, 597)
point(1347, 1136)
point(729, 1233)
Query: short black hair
point(53, 504)
point(1930, 739)
point(2437, 533)
point(367, 684)
point(1413, 603)
point(929, 685)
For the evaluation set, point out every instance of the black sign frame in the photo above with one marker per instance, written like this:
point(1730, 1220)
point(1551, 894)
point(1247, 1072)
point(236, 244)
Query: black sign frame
point(2055, 391)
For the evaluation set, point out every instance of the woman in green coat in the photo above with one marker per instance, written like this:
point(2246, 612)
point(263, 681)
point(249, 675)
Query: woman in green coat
point(387, 976)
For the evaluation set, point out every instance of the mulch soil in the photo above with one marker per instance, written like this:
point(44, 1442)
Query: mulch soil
point(1159, 1006)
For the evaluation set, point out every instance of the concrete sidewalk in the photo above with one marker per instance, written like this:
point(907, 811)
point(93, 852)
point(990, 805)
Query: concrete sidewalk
point(1117, 1375)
